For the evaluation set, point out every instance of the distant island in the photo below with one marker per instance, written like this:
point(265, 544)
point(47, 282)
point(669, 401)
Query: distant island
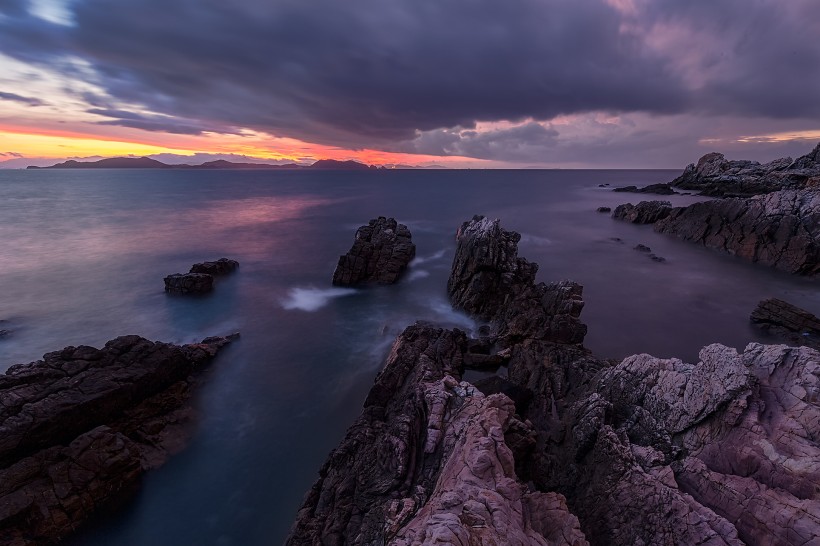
point(148, 163)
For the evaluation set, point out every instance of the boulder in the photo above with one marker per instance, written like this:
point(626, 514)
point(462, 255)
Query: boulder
point(645, 212)
point(780, 229)
point(189, 283)
point(79, 428)
point(714, 175)
point(380, 253)
point(603, 209)
point(795, 325)
point(222, 266)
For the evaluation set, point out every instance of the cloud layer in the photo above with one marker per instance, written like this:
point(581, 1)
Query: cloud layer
point(418, 76)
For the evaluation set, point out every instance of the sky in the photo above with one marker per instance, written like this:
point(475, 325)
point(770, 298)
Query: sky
point(457, 83)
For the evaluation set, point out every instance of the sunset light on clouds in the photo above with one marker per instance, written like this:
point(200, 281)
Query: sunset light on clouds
point(293, 81)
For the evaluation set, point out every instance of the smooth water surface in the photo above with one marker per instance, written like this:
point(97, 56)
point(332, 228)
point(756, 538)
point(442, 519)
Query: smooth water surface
point(84, 254)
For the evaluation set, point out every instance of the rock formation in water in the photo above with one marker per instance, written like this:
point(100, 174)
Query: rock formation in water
point(795, 325)
point(200, 279)
point(660, 189)
point(645, 451)
point(222, 266)
point(780, 229)
point(79, 428)
point(189, 283)
point(645, 212)
point(714, 175)
point(487, 275)
point(380, 253)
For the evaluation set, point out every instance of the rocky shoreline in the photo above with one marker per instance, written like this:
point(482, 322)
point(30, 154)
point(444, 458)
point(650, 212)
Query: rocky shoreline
point(80, 427)
point(771, 218)
point(587, 450)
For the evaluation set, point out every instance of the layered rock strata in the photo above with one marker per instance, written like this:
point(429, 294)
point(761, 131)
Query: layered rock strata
point(380, 253)
point(780, 229)
point(645, 212)
point(79, 428)
point(645, 451)
point(795, 325)
point(716, 176)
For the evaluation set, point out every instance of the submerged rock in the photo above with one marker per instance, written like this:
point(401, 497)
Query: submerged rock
point(788, 321)
point(380, 253)
point(780, 229)
point(79, 428)
point(603, 209)
point(189, 283)
point(714, 175)
point(645, 212)
point(222, 266)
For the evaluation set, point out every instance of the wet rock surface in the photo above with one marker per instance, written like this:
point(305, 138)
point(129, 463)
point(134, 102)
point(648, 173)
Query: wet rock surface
point(79, 428)
point(222, 266)
point(379, 255)
point(189, 283)
point(780, 229)
point(716, 176)
point(789, 322)
point(643, 451)
point(645, 212)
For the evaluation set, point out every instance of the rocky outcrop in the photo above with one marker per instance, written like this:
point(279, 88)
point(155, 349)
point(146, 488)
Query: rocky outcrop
point(645, 212)
point(795, 325)
point(222, 266)
point(603, 209)
point(489, 280)
point(380, 253)
point(79, 428)
point(714, 175)
point(642, 451)
point(430, 461)
point(200, 279)
point(780, 229)
point(189, 283)
point(660, 189)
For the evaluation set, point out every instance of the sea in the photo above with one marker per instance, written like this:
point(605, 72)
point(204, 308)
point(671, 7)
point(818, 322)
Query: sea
point(84, 253)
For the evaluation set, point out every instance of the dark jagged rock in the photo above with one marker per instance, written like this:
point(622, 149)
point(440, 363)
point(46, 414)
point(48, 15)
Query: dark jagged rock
point(660, 189)
point(490, 281)
point(714, 175)
point(645, 212)
point(642, 248)
point(222, 266)
point(603, 209)
point(646, 451)
point(189, 283)
point(788, 321)
point(380, 253)
point(780, 229)
point(656, 258)
point(79, 428)
point(428, 462)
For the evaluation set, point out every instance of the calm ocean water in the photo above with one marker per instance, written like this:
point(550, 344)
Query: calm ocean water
point(84, 254)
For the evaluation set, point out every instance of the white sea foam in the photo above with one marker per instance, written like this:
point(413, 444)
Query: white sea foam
point(445, 313)
point(313, 299)
point(418, 260)
point(534, 239)
point(416, 274)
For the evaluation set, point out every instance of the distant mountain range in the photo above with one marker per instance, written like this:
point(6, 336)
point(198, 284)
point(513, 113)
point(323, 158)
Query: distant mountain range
point(148, 163)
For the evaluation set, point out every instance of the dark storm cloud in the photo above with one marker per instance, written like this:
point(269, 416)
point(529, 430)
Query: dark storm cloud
point(161, 123)
point(31, 101)
point(383, 72)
